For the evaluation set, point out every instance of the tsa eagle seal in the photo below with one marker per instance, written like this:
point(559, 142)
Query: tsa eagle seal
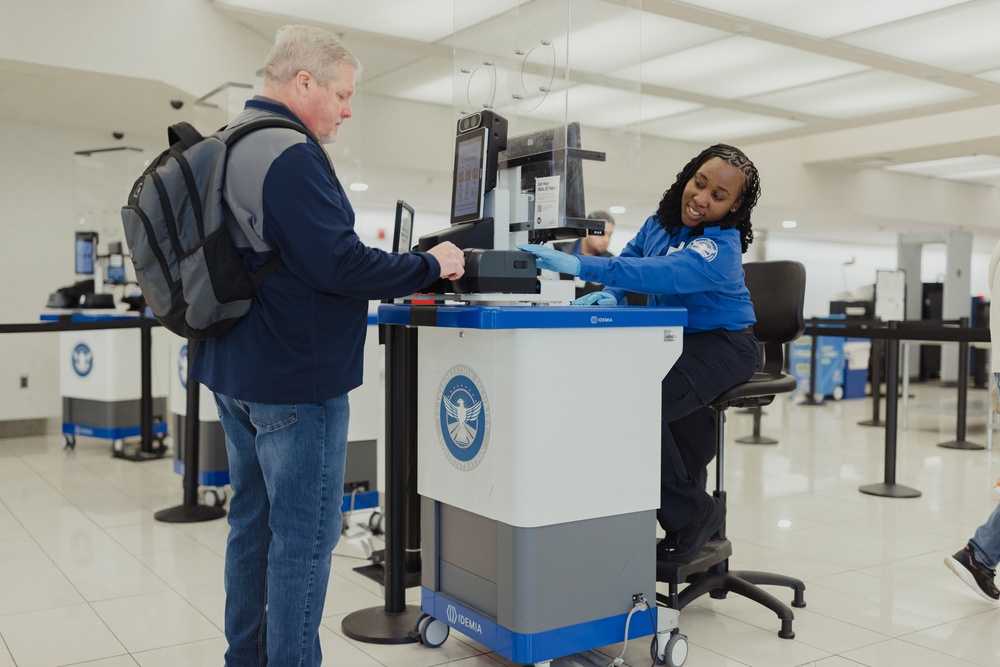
point(82, 359)
point(463, 418)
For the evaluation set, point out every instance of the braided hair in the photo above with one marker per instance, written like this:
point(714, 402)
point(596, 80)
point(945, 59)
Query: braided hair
point(669, 211)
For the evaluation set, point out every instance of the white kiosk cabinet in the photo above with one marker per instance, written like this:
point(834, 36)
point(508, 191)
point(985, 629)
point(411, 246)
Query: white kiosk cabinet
point(538, 470)
point(100, 380)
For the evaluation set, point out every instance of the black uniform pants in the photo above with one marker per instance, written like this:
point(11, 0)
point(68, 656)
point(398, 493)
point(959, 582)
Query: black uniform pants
point(710, 363)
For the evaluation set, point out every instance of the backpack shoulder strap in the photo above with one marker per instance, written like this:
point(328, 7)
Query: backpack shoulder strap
point(231, 135)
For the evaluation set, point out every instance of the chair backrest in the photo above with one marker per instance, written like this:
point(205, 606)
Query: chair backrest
point(777, 290)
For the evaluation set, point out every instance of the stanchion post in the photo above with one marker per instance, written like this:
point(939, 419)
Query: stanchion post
point(394, 622)
point(877, 363)
point(888, 488)
point(190, 511)
point(963, 396)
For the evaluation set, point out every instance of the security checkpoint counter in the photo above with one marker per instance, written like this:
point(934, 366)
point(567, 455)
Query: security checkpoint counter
point(100, 379)
point(538, 436)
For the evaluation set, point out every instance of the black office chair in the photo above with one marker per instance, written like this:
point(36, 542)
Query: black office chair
point(777, 289)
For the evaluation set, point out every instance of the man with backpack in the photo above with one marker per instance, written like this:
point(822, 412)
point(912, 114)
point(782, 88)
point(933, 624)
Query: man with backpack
point(282, 373)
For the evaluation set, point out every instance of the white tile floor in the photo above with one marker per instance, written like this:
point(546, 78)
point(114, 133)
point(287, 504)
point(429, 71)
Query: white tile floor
point(88, 577)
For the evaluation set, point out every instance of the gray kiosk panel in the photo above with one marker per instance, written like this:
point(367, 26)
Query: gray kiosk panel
point(532, 580)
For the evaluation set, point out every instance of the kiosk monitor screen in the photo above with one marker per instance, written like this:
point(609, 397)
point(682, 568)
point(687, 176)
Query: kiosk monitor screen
point(86, 247)
point(469, 177)
point(403, 233)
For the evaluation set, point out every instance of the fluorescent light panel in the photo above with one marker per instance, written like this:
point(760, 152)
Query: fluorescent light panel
point(426, 21)
point(599, 106)
point(625, 40)
point(982, 169)
point(738, 67)
point(963, 39)
point(822, 18)
point(861, 94)
point(714, 125)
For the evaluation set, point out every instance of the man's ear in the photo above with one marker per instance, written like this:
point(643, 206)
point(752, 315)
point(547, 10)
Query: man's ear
point(304, 81)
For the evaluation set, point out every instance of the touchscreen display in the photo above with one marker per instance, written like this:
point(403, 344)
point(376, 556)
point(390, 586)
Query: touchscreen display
point(469, 177)
point(85, 242)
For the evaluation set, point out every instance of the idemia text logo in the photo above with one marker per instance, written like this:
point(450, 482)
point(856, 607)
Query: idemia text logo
point(82, 360)
point(463, 418)
point(456, 618)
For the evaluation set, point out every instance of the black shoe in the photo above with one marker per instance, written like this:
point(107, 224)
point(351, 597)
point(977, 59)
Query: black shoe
point(687, 543)
point(978, 577)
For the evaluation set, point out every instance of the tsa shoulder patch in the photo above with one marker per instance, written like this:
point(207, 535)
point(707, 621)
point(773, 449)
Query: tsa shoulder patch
point(704, 247)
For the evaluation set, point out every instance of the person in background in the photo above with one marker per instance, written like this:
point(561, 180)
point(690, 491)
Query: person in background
point(976, 563)
point(593, 245)
point(282, 374)
point(688, 254)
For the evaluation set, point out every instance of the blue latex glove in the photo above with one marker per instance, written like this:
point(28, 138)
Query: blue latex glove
point(553, 260)
point(596, 299)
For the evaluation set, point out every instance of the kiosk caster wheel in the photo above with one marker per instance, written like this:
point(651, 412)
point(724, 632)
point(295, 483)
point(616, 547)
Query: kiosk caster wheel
point(69, 441)
point(215, 497)
point(431, 631)
point(675, 654)
point(118, 446)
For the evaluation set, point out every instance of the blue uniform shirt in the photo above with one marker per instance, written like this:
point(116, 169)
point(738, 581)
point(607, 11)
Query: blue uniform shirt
point(703, 274)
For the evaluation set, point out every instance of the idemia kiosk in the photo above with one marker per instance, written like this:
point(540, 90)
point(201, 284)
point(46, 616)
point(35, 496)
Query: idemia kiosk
point(537, 471)
point(536, 423)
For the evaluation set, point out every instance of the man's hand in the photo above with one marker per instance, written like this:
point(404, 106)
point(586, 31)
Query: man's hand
point(451, 258)
point(553, 260)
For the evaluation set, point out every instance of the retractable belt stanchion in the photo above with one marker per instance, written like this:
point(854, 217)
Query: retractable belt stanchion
point(888, 487)
point(963, 396)
point(191, 511)
point(394, 622)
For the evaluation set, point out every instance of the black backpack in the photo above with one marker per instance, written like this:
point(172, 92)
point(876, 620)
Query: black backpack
point(187, 265)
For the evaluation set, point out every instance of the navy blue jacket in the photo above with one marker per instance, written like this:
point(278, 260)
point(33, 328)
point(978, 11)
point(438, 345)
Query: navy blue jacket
point(703, 274)
point(303, 339)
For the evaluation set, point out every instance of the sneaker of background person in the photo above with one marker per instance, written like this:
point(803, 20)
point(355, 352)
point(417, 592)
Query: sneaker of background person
point(978, 577)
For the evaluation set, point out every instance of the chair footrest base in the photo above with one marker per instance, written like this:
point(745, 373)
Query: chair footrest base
point(714, 552)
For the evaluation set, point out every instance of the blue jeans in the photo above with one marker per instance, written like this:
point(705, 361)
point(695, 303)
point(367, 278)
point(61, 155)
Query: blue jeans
point(286, 469)
point(986, 542)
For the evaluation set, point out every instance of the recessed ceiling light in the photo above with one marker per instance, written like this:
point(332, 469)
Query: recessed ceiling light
point(789, 224)
point(617, 210)
point(358, 187)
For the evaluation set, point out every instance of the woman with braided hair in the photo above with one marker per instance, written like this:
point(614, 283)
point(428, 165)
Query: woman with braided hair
point(688, 254)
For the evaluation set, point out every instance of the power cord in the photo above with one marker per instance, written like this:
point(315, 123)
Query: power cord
point(639, 603)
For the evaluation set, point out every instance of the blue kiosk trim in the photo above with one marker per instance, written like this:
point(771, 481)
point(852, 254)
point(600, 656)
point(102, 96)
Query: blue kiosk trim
point(525, 317)
point(540, 646)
